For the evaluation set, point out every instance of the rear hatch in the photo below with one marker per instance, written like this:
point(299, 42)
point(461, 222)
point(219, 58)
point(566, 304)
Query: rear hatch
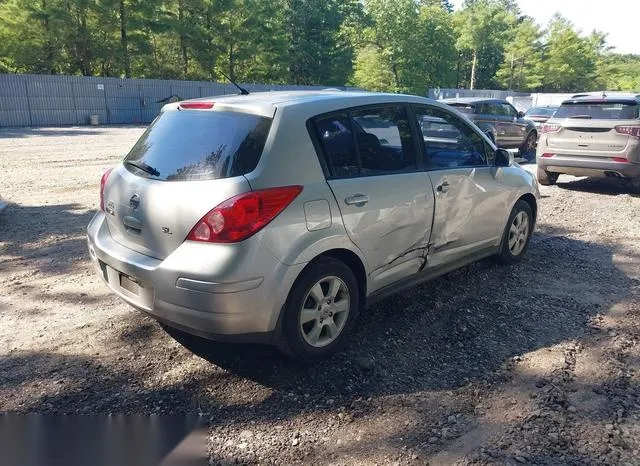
point(594, 127)
point(185, 164)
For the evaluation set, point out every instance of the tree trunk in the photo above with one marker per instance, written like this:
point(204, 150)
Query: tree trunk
point(394, 68)
point(183, 41)
point(124, 41)
point(49, 46)
point(474, 65)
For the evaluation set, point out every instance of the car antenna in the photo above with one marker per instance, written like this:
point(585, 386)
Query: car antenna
point(242, 90)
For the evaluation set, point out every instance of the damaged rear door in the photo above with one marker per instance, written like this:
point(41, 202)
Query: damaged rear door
point(470, 202)
point(385, 199)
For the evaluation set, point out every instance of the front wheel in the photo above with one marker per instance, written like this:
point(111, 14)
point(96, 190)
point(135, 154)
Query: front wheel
point(528, 148)
point(320, 311)
point(517, 233)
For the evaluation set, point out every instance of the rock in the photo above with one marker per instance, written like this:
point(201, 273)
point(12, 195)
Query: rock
point(520, 459)
point(452, 419)
point(295, 442)
point(246, 434)
point(433, 439)
point(553, 437)
point(365, 363)
point(571, 409)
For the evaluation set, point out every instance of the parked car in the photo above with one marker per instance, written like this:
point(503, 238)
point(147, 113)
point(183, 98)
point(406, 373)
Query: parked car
point(592, 136)
point(540, 115)
point(277, 217)
point(500, 120)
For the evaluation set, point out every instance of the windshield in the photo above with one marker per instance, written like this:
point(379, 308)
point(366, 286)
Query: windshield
point(199, 145)
point(598, 110)
point(541, 111)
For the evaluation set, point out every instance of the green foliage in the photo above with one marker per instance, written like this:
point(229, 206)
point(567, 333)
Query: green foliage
point(382, 45)
point(521, 67)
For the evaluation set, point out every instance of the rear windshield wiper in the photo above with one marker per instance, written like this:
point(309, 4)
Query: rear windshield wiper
point(143, 166)
point(584, 117)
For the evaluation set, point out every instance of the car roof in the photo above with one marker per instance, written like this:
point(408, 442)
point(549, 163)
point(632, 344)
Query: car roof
point(611, 99)
point(473, 100)
point(265, 103)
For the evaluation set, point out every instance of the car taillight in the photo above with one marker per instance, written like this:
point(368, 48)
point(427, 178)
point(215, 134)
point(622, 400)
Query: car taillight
point(547, 155)
point(103, 182)
point(620, 159)
point(550, 128)
point(238, 218)
point(629, 130)
point(196, 105)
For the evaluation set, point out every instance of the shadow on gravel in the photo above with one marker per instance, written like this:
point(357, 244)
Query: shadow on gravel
point(453, 330)
point(59, 230)
point(604, 186)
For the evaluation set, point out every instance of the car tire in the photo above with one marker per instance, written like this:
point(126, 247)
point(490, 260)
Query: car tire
point(528, 148)
point(517, 233)
point(546, 178)
point(634, 184)
point(320, 311)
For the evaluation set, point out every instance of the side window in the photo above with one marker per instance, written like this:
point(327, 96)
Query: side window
point(384, 140)
point(336, 138)
point(448, 141)
point(508, 111)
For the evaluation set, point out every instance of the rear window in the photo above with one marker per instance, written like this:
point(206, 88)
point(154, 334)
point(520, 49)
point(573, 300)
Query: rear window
point(199, 145)
point(464, 108)
point(541, 111)
point(598, 110)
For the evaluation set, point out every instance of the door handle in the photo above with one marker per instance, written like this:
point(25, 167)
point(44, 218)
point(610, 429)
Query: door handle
point(442, 187)
point(357, 199)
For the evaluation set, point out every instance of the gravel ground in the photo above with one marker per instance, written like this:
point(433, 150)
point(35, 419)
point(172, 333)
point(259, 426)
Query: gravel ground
point(537, 363)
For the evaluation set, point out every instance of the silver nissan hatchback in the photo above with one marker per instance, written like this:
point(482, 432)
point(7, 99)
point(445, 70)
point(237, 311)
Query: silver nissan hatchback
point(277, 217)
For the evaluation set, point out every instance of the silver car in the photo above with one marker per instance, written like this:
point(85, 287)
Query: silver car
point(277, 217)
point(594, 136)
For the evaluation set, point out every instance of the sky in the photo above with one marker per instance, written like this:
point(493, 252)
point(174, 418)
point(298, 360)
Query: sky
point(619, 19)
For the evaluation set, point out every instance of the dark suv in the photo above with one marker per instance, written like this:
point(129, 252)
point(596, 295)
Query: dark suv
point(505, 125)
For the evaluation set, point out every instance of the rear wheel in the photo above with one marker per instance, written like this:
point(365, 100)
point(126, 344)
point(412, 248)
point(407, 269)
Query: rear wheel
point(517, 233)
point(528, 148)
point(546, 178)
point(320, 311)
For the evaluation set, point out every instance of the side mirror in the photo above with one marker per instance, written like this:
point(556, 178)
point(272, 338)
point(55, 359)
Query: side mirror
point(520, 114)
point(503, 158)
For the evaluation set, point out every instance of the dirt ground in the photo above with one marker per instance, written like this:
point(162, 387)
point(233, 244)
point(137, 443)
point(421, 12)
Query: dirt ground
point(537, 363)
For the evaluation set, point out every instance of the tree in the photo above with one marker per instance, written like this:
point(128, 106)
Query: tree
point(521, 68)
point(570, 60)
point(482, 26)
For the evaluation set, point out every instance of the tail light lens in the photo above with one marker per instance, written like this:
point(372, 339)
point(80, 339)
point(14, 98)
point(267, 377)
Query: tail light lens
point(547, 155)
point(242, 216)
point(550, 128)
point(629, 130)
point(103, 182)
point(620, 159)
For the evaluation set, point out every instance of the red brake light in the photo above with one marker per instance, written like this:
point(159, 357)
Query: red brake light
point(620, 159)
point(240, 217)
point(546, 156)
point(550, 128)
point(629, 130)
point(196, 105)
point(103, 182)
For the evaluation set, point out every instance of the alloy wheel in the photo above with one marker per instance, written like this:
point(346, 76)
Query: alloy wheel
point(324, 312)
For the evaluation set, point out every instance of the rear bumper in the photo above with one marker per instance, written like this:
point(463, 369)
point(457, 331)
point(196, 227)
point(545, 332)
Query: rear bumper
point(232, 303)
point(588, 166)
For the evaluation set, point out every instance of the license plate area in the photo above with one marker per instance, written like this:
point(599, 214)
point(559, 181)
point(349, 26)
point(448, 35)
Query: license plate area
point(130, 284)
